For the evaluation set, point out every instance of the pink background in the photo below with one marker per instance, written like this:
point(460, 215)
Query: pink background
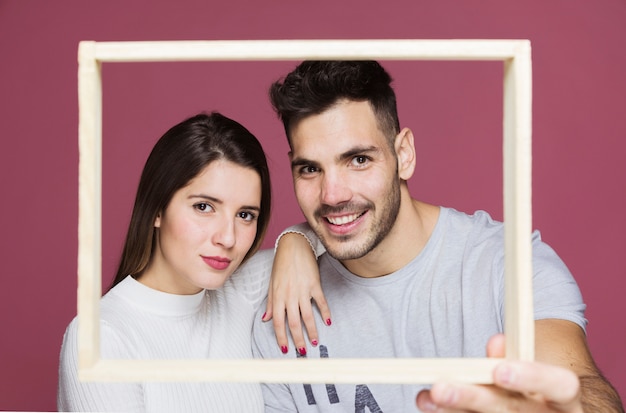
point(579, 131)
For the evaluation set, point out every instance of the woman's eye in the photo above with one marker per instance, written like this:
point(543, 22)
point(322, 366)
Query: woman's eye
point(247, 216)
point(203, 207)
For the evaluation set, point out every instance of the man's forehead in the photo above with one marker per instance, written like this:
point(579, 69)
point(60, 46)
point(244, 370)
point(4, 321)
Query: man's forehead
point(343, 125)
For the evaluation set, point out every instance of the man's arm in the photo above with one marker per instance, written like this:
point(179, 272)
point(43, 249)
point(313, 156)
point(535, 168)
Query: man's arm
point(564, 344)
point(564, 378)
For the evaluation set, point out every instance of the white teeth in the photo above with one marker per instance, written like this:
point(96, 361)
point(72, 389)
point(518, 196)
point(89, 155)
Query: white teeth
point(346, 219)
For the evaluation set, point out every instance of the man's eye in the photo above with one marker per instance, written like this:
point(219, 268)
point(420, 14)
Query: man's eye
point(305, 170)
point(360, 160)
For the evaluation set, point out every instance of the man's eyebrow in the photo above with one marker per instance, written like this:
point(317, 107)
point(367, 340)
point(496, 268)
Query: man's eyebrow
point(358, 150)
point(295, 162)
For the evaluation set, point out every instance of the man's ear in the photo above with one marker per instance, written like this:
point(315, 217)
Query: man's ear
point(405, 152)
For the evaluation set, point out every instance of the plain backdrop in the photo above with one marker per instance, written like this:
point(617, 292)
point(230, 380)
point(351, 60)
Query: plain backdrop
point(454, 109)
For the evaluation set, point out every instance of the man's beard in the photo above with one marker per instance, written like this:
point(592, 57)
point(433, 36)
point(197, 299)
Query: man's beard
point(377, 232)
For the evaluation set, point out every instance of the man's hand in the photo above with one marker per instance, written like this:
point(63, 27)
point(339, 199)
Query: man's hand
point(518, 387)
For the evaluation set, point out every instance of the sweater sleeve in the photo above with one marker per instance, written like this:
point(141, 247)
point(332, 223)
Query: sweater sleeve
point(76, 395)
point(252, 278)
point(305, 230)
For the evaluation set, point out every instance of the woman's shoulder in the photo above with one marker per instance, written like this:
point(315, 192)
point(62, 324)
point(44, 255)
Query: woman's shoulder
point(258, 264)
point(252, 277)
point(262, 259)
point(113, 342)
point(118, 320)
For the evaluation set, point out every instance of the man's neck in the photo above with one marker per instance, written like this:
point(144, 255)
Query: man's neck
point(406, 240)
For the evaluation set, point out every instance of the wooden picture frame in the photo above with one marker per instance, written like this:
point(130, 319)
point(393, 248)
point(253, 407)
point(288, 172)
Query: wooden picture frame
point(519, 322)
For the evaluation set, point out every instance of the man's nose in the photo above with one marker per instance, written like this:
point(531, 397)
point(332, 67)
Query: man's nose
point(335, 189)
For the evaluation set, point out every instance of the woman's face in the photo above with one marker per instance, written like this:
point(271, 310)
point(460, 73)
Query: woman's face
point(206, 230)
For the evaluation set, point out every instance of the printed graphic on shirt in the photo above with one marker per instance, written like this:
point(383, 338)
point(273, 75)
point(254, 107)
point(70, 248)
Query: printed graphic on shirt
point(363, 397)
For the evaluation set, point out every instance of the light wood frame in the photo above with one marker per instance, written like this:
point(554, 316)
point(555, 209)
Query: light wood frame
point(519, 321)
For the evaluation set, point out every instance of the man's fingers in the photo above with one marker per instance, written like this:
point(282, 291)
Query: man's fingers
point(518, 387)
point(454, 397)
point(495, 346)
point(424, 402)
point(556, 385)
point(553, 384)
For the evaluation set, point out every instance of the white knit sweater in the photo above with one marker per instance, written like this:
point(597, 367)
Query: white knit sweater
point(141, 323)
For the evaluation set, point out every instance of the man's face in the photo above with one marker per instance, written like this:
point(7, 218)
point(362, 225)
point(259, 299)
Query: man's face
point(345, 178)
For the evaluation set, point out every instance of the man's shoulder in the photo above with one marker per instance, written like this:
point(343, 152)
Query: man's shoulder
point(477, 225)
point(479, 217)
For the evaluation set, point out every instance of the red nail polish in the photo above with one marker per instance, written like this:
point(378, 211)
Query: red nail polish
point(302, 351)
point(314, 342)
point(283, 349)
point(263, 318)
point(328, 322)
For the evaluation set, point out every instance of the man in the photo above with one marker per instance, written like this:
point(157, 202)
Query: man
point(408, 279)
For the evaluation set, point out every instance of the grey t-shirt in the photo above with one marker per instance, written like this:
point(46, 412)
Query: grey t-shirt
point(447, 302)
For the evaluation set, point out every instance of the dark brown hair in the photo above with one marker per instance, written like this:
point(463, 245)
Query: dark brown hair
point(315, 86)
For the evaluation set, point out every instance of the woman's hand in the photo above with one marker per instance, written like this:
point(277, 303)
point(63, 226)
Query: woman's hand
point(294, 284)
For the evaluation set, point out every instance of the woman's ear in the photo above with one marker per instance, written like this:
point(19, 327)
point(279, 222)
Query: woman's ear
point(157, 221)
point(405, 152)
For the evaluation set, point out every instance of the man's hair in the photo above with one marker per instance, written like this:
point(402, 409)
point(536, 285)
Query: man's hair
point(315, 86)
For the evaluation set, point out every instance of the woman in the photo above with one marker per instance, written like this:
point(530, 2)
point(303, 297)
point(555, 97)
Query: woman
point(202, 209)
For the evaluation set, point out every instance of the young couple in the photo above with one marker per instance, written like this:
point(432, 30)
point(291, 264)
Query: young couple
point(403, 278)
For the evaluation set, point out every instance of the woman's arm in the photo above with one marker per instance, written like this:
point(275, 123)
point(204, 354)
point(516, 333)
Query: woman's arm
point(294, 284)
point(78, 396)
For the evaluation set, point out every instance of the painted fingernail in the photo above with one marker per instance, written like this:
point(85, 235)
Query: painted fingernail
point(302, 351)
point(314, 342)
point(283, 349)
point(263, 318)
point(328, 322)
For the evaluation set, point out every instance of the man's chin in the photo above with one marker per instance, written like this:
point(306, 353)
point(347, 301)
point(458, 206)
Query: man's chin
point(345, 252)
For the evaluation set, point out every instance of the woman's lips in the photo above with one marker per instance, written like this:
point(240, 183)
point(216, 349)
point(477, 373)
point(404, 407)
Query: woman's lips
point(218, 263)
